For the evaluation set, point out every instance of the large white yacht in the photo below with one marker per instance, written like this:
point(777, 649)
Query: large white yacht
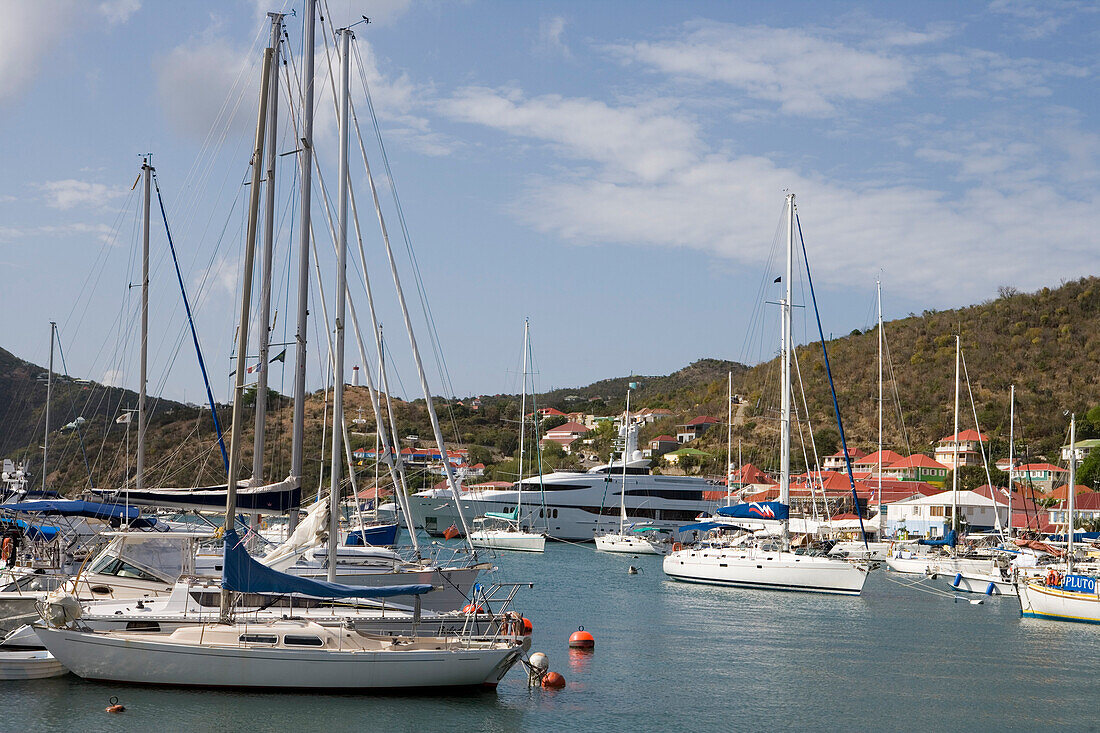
point(576, 506)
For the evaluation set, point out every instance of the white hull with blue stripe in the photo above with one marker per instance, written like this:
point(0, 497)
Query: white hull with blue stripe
point(755, 567)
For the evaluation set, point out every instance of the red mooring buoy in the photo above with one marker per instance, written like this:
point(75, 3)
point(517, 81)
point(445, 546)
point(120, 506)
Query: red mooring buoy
point(581, 639)
point(553, 680)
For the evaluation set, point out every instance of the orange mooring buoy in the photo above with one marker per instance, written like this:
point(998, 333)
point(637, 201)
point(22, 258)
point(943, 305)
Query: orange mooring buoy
point(553, 680)
point(581, 639)
point(528, 627)
point(114, 707)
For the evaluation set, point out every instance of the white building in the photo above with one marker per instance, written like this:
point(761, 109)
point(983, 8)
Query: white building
point(930, 516)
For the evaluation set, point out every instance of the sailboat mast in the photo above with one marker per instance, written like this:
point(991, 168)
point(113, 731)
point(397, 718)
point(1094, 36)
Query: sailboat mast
point(1011, 450)
point(878, 291)
point(246, 304)
point(729, 438)
point(1071, 497)
point(264, 331)
point(147, 170)
point(955, 442)
point(522, 425)
point(341, 305)
point(306, 173)
point(626, 444)
point(49, 396)
point(785, 361)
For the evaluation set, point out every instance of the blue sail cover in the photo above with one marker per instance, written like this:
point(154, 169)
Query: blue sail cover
point(756, 510)
point(243, 574)
point(949, 540)
point(702, 526)
point(89, 509)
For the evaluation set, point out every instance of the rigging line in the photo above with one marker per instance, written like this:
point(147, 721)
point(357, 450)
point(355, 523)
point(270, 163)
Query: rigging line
point(832, 387)
point(191, 322)
point(981, 446)
point(79, 432)
point(433, 333)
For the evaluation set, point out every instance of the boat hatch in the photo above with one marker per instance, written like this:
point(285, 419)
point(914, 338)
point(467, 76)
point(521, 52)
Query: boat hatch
point(302, 640)
point(258, 639)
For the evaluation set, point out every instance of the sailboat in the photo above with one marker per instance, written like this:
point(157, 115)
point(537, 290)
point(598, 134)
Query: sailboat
point(768, 562)
point(288, 652)
point(636, 540)
point(1064, 596)
point(940, 556)
point(504, 530)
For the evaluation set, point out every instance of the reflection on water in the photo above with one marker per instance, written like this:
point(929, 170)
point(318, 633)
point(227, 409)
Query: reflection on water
point(676, 656)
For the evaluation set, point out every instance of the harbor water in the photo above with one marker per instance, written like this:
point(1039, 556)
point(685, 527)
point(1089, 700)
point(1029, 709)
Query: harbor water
point(672, 656)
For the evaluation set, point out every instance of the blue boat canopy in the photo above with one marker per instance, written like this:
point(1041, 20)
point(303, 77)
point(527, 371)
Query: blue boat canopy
point(33, 532)
point(949, 540)
point(77, 508)
point(243, 574)
point(756, 510)
point(701, 526)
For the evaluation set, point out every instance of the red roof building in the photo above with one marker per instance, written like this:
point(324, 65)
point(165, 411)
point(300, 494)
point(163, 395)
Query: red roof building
point(564, 435)
point(966, 444)
point(872, 461)
point(836, 461)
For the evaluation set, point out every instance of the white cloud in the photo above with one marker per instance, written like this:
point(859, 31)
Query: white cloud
point(69, 193)
point(1040, 18)
point(805, 73)
point(551, 37)
point(101, 232)
point(28, 33)
point(209, 83)
point(118, 11)
point(644, 140)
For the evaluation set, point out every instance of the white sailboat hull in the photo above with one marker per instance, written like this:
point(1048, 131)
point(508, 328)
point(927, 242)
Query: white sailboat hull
point(630, 545)
point(766, 569)
point(940, 565)
point(983, 583)
point(1038, 600)
point(505, 540)
point(32, 665)
point(159, 660)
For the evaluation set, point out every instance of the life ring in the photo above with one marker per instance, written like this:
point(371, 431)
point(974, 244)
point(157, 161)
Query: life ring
point(1052, 578)
point(676, 547)
point(5, 550)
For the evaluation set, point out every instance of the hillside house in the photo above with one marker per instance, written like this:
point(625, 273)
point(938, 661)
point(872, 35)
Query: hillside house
point(694, 428)
point(836, 461)
point(662, 444)
point(967, 445)
point(930, 516)
point(1043, 476)
point(564, 435)
point(1082, 448)
point(917, 467)
point(869, 463)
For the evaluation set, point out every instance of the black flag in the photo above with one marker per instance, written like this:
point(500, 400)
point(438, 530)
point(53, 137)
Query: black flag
point(778, 279)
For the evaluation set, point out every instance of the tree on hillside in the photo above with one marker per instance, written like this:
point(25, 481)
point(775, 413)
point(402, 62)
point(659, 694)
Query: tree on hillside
point(552, 421)
point(973, 477)
point(1088, 473)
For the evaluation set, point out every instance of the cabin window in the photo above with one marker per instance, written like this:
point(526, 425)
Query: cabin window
point(258, 639)
point(292, 640)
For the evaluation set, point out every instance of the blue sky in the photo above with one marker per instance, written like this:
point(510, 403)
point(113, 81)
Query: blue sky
point(613, 170)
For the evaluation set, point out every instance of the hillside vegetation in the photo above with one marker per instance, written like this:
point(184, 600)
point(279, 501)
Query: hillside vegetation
point(1047, 343)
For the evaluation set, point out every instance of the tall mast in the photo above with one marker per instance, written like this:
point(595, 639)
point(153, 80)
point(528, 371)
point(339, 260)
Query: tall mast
point(147, 170)
point(269, 243)
point(49, 395)
point(1071, 498)
point(305, 161)
point(1011, 450)
point(626, 445)
point(341, 300)
point(522, 424)
point(878, 290)
point(785, 360)
point(955, 442)
point(246, 304)
point(729, 438)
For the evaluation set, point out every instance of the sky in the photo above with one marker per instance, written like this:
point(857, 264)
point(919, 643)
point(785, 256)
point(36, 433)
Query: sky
point(613, 171)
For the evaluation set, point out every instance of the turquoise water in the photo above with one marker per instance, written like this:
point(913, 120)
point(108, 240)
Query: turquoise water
point(671, 656)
